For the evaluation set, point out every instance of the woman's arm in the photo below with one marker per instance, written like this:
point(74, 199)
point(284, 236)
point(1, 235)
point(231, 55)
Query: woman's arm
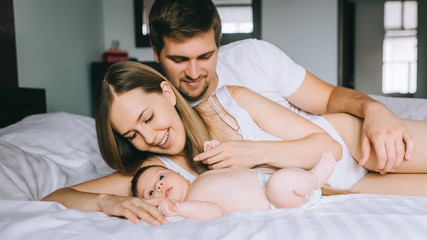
point(111, 195)
point(302, 145)
point(84, 196)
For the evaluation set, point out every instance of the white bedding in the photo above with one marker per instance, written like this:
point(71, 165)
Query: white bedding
point(44, 152)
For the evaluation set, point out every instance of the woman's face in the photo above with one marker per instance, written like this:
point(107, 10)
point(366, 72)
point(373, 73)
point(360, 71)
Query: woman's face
point(149, 120)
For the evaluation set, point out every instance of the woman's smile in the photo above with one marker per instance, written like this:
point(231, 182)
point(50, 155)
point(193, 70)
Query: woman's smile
point(165, 140)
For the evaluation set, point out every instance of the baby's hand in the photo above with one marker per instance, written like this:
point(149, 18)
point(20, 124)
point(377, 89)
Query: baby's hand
point(208, 145)
point(168, 208)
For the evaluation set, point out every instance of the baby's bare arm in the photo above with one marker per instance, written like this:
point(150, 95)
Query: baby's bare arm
point(200, 210)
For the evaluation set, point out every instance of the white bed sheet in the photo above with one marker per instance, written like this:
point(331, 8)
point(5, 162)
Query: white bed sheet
point(335, 217)
point(44, 152)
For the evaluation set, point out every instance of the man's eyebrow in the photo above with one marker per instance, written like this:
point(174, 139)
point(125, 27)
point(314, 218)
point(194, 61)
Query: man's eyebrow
point(137, 120)
point(184, 57)
point(208, 53)
point(176, 56)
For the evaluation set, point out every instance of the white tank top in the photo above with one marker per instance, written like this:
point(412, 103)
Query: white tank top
point(347, 172)
point(175, 167)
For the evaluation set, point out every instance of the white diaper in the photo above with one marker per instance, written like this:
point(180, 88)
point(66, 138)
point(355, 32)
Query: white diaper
point(312, 198)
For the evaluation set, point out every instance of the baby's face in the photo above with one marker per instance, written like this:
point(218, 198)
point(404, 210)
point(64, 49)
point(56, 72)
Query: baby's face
point(158, 182)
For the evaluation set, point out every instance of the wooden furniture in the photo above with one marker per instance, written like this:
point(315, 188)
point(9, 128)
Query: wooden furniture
point(17, 103)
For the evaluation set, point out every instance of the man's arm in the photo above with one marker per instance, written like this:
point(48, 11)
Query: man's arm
point(313, 95)
point(381, 128)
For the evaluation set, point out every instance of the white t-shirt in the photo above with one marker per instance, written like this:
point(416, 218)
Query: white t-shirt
point(261, 67)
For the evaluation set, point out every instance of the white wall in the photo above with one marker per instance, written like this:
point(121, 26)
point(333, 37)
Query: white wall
point(307, 30)
point(369, 46)
point(119, 25)
point(56, 41)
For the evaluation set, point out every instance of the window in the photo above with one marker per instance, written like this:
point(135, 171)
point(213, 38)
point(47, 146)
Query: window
point(240, 19)
point(400, 47)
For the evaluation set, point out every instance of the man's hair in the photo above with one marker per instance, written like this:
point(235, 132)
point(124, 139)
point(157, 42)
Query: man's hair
point(134, 183)
point(182, 19)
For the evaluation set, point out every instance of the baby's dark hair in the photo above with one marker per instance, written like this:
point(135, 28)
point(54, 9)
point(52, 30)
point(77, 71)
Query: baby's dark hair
point(136, 177)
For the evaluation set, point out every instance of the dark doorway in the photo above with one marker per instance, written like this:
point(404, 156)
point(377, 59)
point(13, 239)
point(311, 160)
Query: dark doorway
point(346, 50)
point(8, 62)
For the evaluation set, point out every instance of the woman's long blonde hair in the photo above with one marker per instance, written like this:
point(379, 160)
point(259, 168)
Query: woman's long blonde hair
point(117, 151)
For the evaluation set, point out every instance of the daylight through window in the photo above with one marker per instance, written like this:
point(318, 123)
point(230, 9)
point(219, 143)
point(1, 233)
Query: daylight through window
point(400, 47)
point(236, 15)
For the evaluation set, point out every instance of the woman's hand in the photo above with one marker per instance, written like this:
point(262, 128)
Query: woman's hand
point(232, 154)
point(132, 208)
point(388, 136)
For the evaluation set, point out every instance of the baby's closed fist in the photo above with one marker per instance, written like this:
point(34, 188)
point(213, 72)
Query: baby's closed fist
point(168, 208)
point(208, 145)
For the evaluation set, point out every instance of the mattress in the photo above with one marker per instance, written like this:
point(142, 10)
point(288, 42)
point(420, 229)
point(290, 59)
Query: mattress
point(44, 152)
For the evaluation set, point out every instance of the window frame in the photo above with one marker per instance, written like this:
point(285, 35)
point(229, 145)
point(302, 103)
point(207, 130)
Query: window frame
point(411, 64)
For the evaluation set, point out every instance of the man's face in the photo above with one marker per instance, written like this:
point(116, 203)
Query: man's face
point(190, 65)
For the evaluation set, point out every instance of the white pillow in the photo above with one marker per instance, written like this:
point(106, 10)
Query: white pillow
point(48, 151)
point(28, 176)
point(409, 108)
point(65, 138)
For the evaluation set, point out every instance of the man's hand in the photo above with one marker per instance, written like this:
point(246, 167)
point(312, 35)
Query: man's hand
point(232, 154)
point(389, 138)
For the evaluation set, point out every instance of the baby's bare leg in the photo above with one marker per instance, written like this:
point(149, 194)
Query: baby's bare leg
point(288, 187)
point(324, 168)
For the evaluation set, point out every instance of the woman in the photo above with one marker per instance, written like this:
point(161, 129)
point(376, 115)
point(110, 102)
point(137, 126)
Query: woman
point(139, 112)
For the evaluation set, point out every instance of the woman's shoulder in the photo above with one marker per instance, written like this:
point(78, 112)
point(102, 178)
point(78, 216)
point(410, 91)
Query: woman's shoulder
point(238, 93)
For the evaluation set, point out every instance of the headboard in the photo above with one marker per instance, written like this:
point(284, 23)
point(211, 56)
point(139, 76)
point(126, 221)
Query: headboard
point(17, 103)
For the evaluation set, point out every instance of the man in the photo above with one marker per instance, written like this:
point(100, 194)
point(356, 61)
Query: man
point(185, 37)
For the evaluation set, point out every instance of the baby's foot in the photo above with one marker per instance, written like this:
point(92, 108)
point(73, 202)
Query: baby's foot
point(324, 167)
point(208, 145)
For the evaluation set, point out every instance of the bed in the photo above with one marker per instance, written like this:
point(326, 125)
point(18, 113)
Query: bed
point(46, 151)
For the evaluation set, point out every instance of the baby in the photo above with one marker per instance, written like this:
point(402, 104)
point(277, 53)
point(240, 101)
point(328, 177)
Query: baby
point(217, 192)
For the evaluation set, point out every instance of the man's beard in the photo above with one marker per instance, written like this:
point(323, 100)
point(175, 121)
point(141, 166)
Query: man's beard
point(187, 97)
